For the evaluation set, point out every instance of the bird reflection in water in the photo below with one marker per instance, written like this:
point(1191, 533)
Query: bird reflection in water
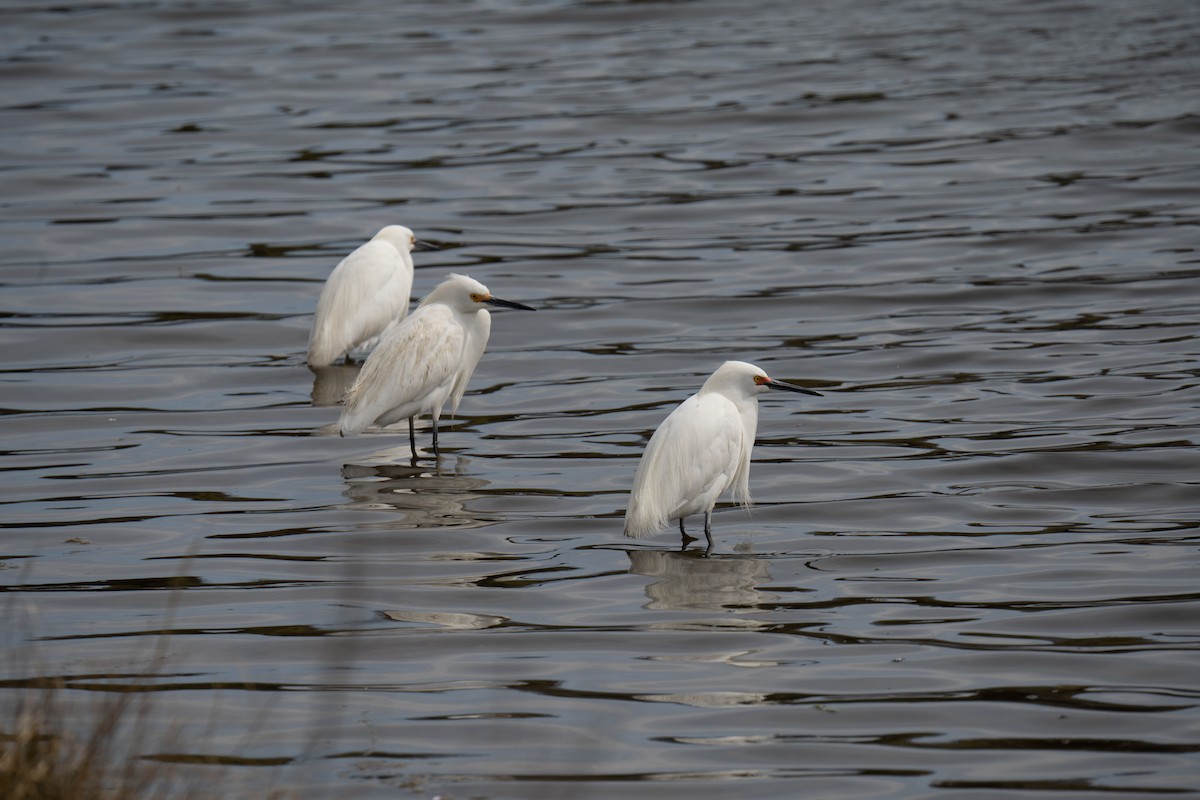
point(331, 383)
point(429, 497)
point(689, 579)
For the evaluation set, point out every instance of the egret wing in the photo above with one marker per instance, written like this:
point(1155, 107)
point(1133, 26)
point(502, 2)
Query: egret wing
point(412, 362)
point(691, 458)
point(365, 294)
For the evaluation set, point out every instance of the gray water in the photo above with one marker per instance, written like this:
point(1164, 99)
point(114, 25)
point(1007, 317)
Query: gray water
point(971, 570)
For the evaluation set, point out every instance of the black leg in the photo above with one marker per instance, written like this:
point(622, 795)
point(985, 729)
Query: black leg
point(683, 534)
point(412, 437)
point(435, 447)
point(708, 531)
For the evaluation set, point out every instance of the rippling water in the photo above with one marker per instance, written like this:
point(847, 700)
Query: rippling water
point(972, 566)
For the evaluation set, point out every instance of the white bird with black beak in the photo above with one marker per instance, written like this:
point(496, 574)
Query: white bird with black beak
point(366, 294)
point(699, 451)
point(424, 361)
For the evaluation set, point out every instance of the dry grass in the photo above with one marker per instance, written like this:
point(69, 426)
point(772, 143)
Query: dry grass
point(104, 738)
point(108, 749)
point(45, 756)
point(57, 745)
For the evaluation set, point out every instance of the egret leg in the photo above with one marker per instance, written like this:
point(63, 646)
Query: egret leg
point(412, 437)
point(684, 536)
point(435, 447)
point(708, 531)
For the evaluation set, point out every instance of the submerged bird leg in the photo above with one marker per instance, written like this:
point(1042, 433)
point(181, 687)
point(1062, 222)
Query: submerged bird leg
point(412, 437)
point(708, 531)
point(435, 447)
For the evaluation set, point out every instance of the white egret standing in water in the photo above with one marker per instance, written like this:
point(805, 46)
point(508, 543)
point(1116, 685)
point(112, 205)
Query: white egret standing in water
point(366, 294)
point(425, 360)
point(701, 449)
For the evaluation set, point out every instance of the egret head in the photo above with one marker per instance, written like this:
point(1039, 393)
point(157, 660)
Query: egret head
point(399, 236)
point(467, 294)
point(740, 379)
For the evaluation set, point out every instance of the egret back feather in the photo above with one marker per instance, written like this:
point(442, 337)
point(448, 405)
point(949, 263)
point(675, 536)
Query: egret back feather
point(366, 294)
point(409, 373)
point(698, 452)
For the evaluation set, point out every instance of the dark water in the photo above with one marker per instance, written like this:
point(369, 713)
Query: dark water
point(972, 569)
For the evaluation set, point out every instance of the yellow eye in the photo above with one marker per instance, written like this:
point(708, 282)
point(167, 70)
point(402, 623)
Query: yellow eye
point(761, 379)
point(478, 298)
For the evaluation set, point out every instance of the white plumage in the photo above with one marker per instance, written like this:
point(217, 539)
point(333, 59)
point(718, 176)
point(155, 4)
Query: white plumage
point(424, 361)
point(366, 294)
point(699, 451)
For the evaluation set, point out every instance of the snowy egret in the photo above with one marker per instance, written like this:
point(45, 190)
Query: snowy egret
point(425, 360)
point(366, 294)
point(701, 449)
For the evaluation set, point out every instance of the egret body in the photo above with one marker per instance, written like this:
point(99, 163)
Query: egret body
point(424, 361)
point(366, 294)
point(699, 451)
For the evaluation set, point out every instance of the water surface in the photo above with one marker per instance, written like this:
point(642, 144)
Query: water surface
point(971, 570)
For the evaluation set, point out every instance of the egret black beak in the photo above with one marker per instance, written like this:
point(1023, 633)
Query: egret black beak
point(421, 244)
point(496, 301)
point(787, 387)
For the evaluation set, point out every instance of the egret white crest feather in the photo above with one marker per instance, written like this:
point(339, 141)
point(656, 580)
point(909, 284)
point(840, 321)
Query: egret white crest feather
point(424, 361)
point(699, 451)
point(366, 294)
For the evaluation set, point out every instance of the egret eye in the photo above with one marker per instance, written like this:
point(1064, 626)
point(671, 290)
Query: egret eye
point(761, 379)
point(478, 298)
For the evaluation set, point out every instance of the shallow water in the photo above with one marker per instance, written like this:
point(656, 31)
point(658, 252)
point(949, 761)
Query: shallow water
point(971, 570)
